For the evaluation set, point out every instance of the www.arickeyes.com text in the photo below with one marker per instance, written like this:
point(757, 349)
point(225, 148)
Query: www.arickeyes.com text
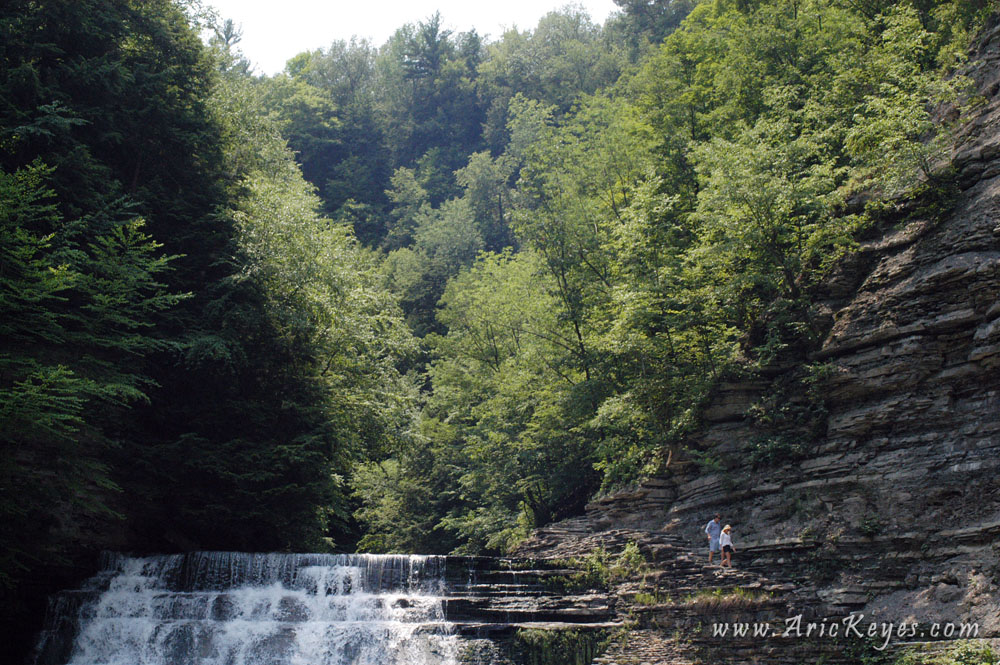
point(849, 627)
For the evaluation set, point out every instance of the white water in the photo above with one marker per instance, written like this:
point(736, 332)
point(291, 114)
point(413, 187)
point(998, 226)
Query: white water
point(224, 608)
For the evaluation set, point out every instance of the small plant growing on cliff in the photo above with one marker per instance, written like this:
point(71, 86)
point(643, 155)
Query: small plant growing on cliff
point(870, 526)
point(705, 461)
point(791, 416)
point(973, 653)
point(768, 450)
point(596, 568)
point(823, 565)
point(557, 647)
point(965, 652)
point(593, 572)
point(868, 651)
point(630, 561)
point(599, 570)
point(726, 599)
point(644, 598)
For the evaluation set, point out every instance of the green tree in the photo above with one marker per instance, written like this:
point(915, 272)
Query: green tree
point(351, 176)
point(497, 452)
point(766, 224)
point(428, 97)
point(78, 299)
point(485, 182)
point(650, 21)
point(565, 56)
point(307, 118)
point(446, 240)
point(896, 136)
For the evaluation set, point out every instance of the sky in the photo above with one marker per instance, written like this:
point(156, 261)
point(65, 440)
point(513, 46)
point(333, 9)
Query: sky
point(276, 30)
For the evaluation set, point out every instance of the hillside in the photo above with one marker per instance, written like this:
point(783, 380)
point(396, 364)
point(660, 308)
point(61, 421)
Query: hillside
point(895, 511)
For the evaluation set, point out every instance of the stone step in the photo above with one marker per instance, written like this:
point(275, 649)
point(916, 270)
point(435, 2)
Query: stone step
point(506, 629)
point(500, 578)
point(520, 609)
point(500, 590)
point(644, 647)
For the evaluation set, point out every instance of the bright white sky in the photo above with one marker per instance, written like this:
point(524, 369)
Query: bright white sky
point(275, 30)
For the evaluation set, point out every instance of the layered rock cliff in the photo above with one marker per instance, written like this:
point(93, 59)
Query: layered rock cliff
point(895, 510)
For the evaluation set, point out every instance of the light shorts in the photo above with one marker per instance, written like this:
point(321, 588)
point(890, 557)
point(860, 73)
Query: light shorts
point(713, 545)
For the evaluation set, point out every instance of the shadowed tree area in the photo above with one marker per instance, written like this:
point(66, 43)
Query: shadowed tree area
point(193, 357)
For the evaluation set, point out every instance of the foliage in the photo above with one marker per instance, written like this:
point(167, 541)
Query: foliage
point(645, 598)
point(869, 651)
point(564, 57)
point(648, 23)
point(111, 169)
point(504, 376)
point(557, 647)
point(726, 599)
point(352, 174)
point(599, 569)
point(445, 240)
point(77, 302)
point(964, 652)
point(871, 526)
point(773, 450)
point(305, 315)
point(790, 416)
point(896, 134)
point(649, 238)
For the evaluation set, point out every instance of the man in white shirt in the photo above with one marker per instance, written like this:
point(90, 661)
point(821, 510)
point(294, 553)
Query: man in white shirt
point(712, 530)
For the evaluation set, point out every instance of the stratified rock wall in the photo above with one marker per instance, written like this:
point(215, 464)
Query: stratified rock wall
point(896, 510)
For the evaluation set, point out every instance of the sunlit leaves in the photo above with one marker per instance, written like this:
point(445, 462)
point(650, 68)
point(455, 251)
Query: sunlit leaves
point(764, 201)
point(896, 134)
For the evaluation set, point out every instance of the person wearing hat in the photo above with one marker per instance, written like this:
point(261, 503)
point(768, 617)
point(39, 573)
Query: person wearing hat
point(726, 541)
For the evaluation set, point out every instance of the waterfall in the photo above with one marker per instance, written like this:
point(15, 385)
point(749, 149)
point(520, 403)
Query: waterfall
point(227, 608)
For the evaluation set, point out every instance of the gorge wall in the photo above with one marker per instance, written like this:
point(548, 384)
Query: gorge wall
point(895, 510)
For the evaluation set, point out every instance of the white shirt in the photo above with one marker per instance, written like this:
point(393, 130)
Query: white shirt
point(725, 539)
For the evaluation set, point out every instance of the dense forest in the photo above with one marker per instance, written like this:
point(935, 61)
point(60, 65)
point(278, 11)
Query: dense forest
point(427, 295)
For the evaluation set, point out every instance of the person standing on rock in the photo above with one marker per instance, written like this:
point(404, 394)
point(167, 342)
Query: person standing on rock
point(713, 530)
point(726, 540)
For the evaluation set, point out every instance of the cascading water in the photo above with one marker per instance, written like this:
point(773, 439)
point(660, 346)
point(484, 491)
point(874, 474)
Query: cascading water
point(225, 608)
